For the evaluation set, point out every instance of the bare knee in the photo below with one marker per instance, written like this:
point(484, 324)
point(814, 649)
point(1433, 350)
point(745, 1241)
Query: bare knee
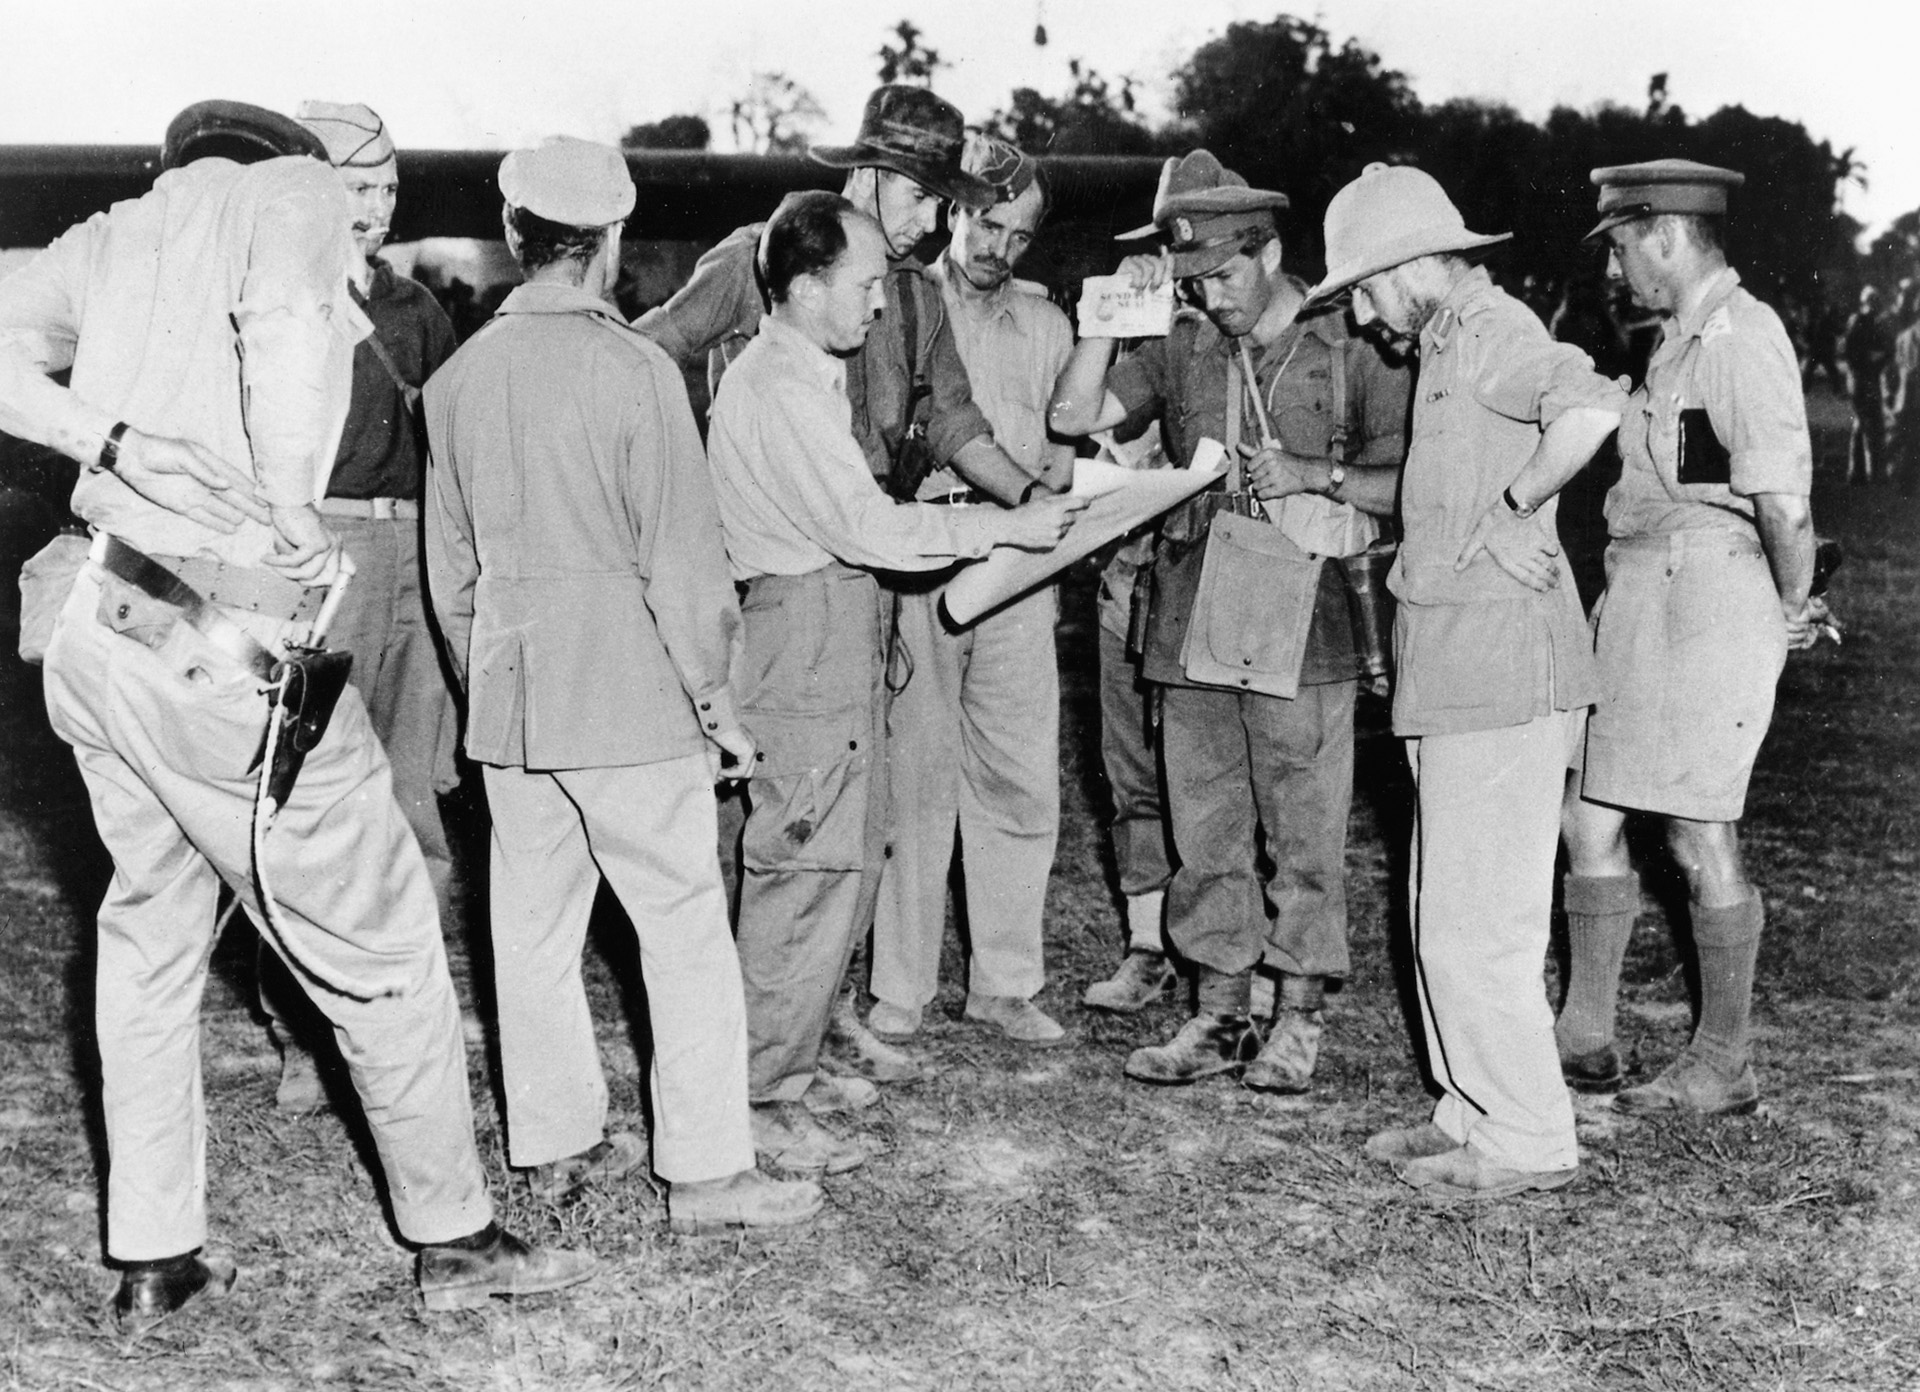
point(1708, 854)
point(1595, 836)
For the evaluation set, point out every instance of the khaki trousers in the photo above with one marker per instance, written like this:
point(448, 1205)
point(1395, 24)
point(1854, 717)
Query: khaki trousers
point(812, 695)
point(973, 746)
point(650, 830)
point(165, 728)
point(1129, 753)
point(1241, 765)
point(1486, 828)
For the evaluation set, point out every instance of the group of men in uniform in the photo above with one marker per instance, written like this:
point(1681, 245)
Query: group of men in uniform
point(631, 618)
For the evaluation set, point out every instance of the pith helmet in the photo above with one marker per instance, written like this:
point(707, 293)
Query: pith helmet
point(1391, 214)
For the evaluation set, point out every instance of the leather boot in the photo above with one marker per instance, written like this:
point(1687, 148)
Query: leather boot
point(465, 1275)
point(150, 1291)
point(1218, 1039)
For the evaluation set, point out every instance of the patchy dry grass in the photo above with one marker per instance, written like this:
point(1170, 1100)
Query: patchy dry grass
point(1035, 1221)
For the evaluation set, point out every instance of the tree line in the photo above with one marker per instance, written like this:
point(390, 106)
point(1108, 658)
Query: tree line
point(1288, 107)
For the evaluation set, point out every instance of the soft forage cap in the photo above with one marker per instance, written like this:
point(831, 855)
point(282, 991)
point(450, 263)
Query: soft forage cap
point(353, 133)
point(578, 183)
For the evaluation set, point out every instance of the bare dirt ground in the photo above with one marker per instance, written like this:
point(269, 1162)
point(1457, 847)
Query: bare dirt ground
point(1037, 1222)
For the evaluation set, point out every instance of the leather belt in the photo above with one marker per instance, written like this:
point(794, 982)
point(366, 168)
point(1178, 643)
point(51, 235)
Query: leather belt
point(371, 509)
point(157, 582)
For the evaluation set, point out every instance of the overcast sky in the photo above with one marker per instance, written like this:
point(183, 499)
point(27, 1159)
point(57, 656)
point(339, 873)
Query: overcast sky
point(493, 73)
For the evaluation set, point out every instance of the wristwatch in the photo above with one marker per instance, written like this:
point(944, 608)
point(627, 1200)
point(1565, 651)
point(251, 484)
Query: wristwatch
point(1506, 496)
point(109, 450)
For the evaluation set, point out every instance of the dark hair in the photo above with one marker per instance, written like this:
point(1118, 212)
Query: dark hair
point(543, 242)
point(805, 236)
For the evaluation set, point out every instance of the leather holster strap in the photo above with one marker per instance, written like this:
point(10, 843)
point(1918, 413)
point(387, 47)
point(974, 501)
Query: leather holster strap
point(157, 582)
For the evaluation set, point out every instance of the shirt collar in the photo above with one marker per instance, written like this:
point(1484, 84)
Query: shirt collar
point(997, 303)
point(1722, 285)
point(1471, 290)
point(551, 297)
point(818, 362)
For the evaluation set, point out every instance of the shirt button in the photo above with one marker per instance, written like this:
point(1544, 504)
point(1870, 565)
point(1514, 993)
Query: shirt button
point(706, 705)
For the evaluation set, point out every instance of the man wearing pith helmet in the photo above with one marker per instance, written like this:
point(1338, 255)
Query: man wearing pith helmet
point(1493, 669)
point(1313, 420)
point(1708, 572)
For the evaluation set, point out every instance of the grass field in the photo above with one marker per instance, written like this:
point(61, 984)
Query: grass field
point(1037, 1222)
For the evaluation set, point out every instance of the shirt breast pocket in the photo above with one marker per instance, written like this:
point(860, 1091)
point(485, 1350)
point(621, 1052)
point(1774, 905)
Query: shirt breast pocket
point(1702, 458)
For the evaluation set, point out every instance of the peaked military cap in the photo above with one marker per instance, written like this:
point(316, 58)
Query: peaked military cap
point(238, 131)
point(1629, 192)
point(1203, 208)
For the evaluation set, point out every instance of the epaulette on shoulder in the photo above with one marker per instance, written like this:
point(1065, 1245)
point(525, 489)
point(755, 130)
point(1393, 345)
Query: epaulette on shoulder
point(1030, 287)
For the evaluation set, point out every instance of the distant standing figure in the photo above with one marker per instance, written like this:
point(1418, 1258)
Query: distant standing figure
point(1866, 346)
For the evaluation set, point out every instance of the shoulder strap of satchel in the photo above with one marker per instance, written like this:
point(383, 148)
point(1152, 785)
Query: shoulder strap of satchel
point(1235, 390)
point(408, 392)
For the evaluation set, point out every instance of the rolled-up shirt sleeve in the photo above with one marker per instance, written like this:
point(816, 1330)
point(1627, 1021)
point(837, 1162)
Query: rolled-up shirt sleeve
point(1751, 387)
point(721, 300)
point(830, 495)
point(1139, 380)
point(292, 315)
point(955, 421)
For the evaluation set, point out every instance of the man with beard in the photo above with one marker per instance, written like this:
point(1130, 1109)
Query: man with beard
point(974, 737)
point(1329, 411)
point(1492, 669)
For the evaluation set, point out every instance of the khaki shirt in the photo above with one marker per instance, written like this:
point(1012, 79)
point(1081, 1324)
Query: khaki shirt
point(573, 542)
point(1186, 377)
point(719, 310)
point(213, 309)
point(1731, 359)
point(1014, 344)
point(795, 491)
point(1478, 650)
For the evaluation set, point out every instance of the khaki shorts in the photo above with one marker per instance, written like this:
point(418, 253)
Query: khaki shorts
point(1690, 642)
